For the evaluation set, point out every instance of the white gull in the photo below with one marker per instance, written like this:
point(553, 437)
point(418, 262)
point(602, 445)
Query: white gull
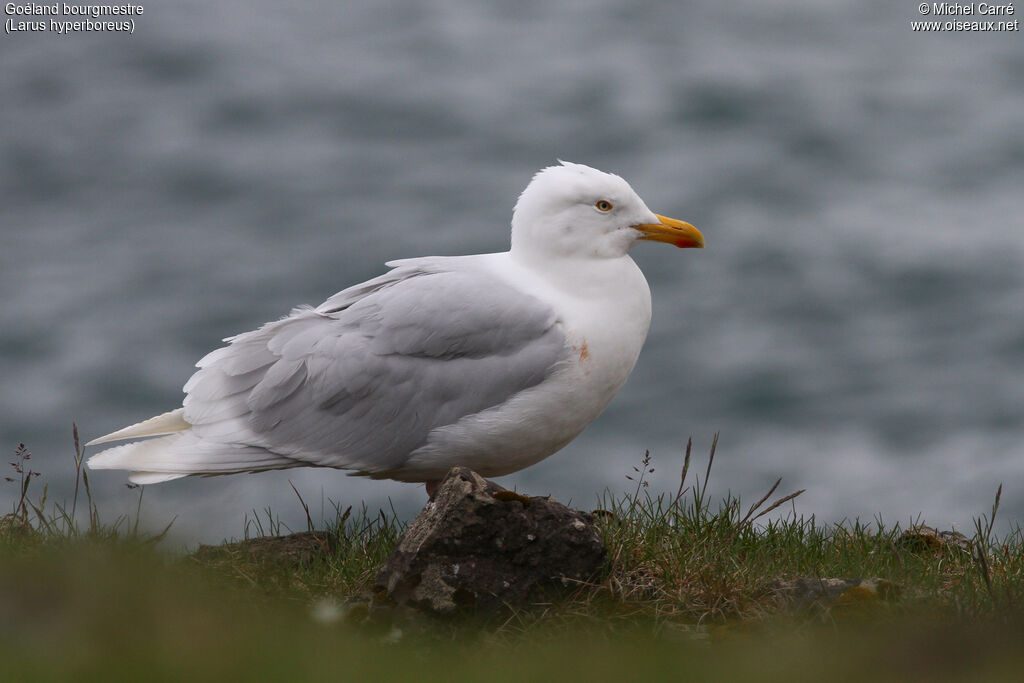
point(491, 361)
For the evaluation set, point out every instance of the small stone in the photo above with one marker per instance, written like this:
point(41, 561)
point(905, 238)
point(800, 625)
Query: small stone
point(15, 526)
point(807, 593)
point(842, 595)
point(865, 599)
point(285, 551)
point(922, 538)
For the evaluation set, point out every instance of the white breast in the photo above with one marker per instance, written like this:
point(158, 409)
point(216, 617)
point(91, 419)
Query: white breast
point(604, 307)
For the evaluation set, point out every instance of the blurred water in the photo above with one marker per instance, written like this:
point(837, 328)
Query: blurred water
point(855, 325)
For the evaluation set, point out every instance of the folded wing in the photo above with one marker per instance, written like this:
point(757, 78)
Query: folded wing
point(359, 382)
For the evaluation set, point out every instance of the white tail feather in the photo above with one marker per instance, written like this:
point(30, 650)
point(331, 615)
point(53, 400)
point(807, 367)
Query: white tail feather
point(152, 477)
point(167, 423)
point(179, 455)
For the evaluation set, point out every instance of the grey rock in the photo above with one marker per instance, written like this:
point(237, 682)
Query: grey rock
point(477, 548)
point(804, 593)
point(814, 594)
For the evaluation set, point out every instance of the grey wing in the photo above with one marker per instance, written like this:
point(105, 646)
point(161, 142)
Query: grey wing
point(361, 381)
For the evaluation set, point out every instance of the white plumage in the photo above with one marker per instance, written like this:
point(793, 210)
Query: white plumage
point(492, 361)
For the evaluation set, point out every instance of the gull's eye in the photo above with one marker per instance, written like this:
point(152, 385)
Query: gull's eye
point(603, 205)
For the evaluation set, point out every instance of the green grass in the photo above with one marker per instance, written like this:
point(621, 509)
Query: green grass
point(687, 593)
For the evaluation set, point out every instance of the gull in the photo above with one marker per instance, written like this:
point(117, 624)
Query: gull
point(489, 361)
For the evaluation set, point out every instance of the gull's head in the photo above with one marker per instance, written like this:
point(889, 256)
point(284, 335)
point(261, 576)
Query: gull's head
point(574, 211)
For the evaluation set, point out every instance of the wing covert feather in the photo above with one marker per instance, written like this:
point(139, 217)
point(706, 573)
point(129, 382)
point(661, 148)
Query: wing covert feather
point(361, 381)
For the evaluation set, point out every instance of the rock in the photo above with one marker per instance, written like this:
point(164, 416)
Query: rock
point(923, 538)
point(866, 599)
point(285, 551)
point(845, 596)
point(480, 549)
point(15, 526)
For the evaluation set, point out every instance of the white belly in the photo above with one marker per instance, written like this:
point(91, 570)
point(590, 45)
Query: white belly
point(604, 331)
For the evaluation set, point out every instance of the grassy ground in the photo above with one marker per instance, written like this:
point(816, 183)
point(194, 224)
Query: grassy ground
point(690, 591)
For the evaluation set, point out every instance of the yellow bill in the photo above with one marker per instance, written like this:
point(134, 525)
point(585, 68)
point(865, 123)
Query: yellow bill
point(672, 231)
